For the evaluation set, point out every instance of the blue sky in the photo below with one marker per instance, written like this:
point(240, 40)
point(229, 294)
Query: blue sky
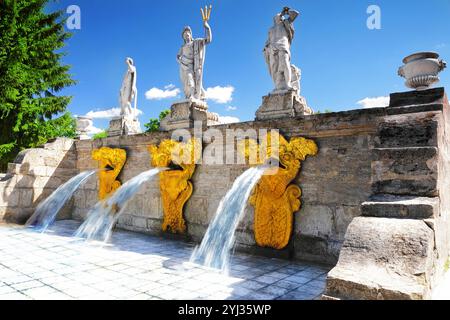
point(342, 61)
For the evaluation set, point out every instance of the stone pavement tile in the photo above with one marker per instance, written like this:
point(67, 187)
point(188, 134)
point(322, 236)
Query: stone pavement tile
point(289, 270)
point(241, 291)
point(158, 292)
point(6, 289)
point(266, 279)
point(259, 296)
point(288, 284)
point(277, 274)
point(171, 279)
point(55, 279)
point(189, 284)
point(309, 290)
point(27, 285)
point(18, 278)
point(298, 279)
point(312, 272)
point(58, 296)
point(252, 285)
point(296, 295)
point(274, 291)
point(41, 293)
point(79, 292)
point(14, 296)
point(218, 296)
point(319, 284)
point(239, 267)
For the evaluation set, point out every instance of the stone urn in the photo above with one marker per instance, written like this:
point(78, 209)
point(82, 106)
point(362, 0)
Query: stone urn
point(83, 123)
point(421, 70)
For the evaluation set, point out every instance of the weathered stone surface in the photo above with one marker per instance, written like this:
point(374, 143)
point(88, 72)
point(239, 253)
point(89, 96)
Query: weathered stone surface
point(286, 104)
point(411, 98)
point(315, 221)
point(407, 131)
point(389, 206)
point(383, 259)
point(405, 171)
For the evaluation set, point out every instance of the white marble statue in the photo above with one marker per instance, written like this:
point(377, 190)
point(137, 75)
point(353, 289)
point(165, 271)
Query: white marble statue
point(128, 92)
point(277, 50)
point(191, 58)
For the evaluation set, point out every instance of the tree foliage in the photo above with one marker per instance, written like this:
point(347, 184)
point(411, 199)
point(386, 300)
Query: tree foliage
point(31, 75)
point(100, 135)
point(154, 124)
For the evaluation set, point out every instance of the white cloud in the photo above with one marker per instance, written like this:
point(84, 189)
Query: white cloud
point(169, 91)
point(231, 108)
point(107, 114)
point(226, 119)
point(220, 94)
point(441, 46)
point(91, 130)
point(378, 102)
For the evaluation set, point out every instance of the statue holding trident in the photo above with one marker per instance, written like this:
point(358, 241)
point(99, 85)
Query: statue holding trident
point(191, 58)
point(277, 50)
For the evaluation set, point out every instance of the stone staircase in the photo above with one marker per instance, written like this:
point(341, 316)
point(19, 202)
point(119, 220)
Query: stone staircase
point(394, 250)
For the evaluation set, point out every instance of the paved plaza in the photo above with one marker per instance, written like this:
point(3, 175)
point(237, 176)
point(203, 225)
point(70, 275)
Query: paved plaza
point(55, 266)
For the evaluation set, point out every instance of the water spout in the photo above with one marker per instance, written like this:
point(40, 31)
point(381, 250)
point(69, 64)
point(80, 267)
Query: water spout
point(46, 212)
point(102, 218)
point(214, 251)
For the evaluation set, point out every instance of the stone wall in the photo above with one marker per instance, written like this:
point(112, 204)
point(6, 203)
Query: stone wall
point(33, 176)
point(334, 183)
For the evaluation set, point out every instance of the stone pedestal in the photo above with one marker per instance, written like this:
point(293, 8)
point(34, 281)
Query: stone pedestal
point(123, 126)
point(184, 114)
point(284, 104)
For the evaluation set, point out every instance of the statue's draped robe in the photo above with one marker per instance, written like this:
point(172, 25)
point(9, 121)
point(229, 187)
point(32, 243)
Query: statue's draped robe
point(127, 93)
point(282, 44)
point(193, 67)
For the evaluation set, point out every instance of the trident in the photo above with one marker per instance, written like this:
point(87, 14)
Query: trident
point(206, 14)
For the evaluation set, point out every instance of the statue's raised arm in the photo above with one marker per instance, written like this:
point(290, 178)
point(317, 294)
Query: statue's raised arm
point(206, 15)
point(293, 14)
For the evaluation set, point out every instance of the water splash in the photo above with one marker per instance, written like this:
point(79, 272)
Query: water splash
point(214, 251)
point(46, 212)
point(102, 218)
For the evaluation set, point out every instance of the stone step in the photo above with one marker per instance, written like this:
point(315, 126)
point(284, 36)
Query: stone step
point(408, 171)
point(384, 259)
point(388, 206)
point(407, 131)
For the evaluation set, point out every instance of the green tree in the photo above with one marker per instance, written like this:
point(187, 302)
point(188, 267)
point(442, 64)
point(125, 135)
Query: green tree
point(31, 76)
point(100, 135)
point(154, 124)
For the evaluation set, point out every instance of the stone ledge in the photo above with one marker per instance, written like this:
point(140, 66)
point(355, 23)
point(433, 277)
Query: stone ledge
point(388, 206)
point(411, 98)
point(384, 259)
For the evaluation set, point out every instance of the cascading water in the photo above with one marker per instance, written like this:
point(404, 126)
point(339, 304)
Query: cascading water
point(104, 215)
point(214, 251)
point(48, 209)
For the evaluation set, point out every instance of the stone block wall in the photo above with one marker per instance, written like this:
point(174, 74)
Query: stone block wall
point(334, 183)
point(33, 176)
